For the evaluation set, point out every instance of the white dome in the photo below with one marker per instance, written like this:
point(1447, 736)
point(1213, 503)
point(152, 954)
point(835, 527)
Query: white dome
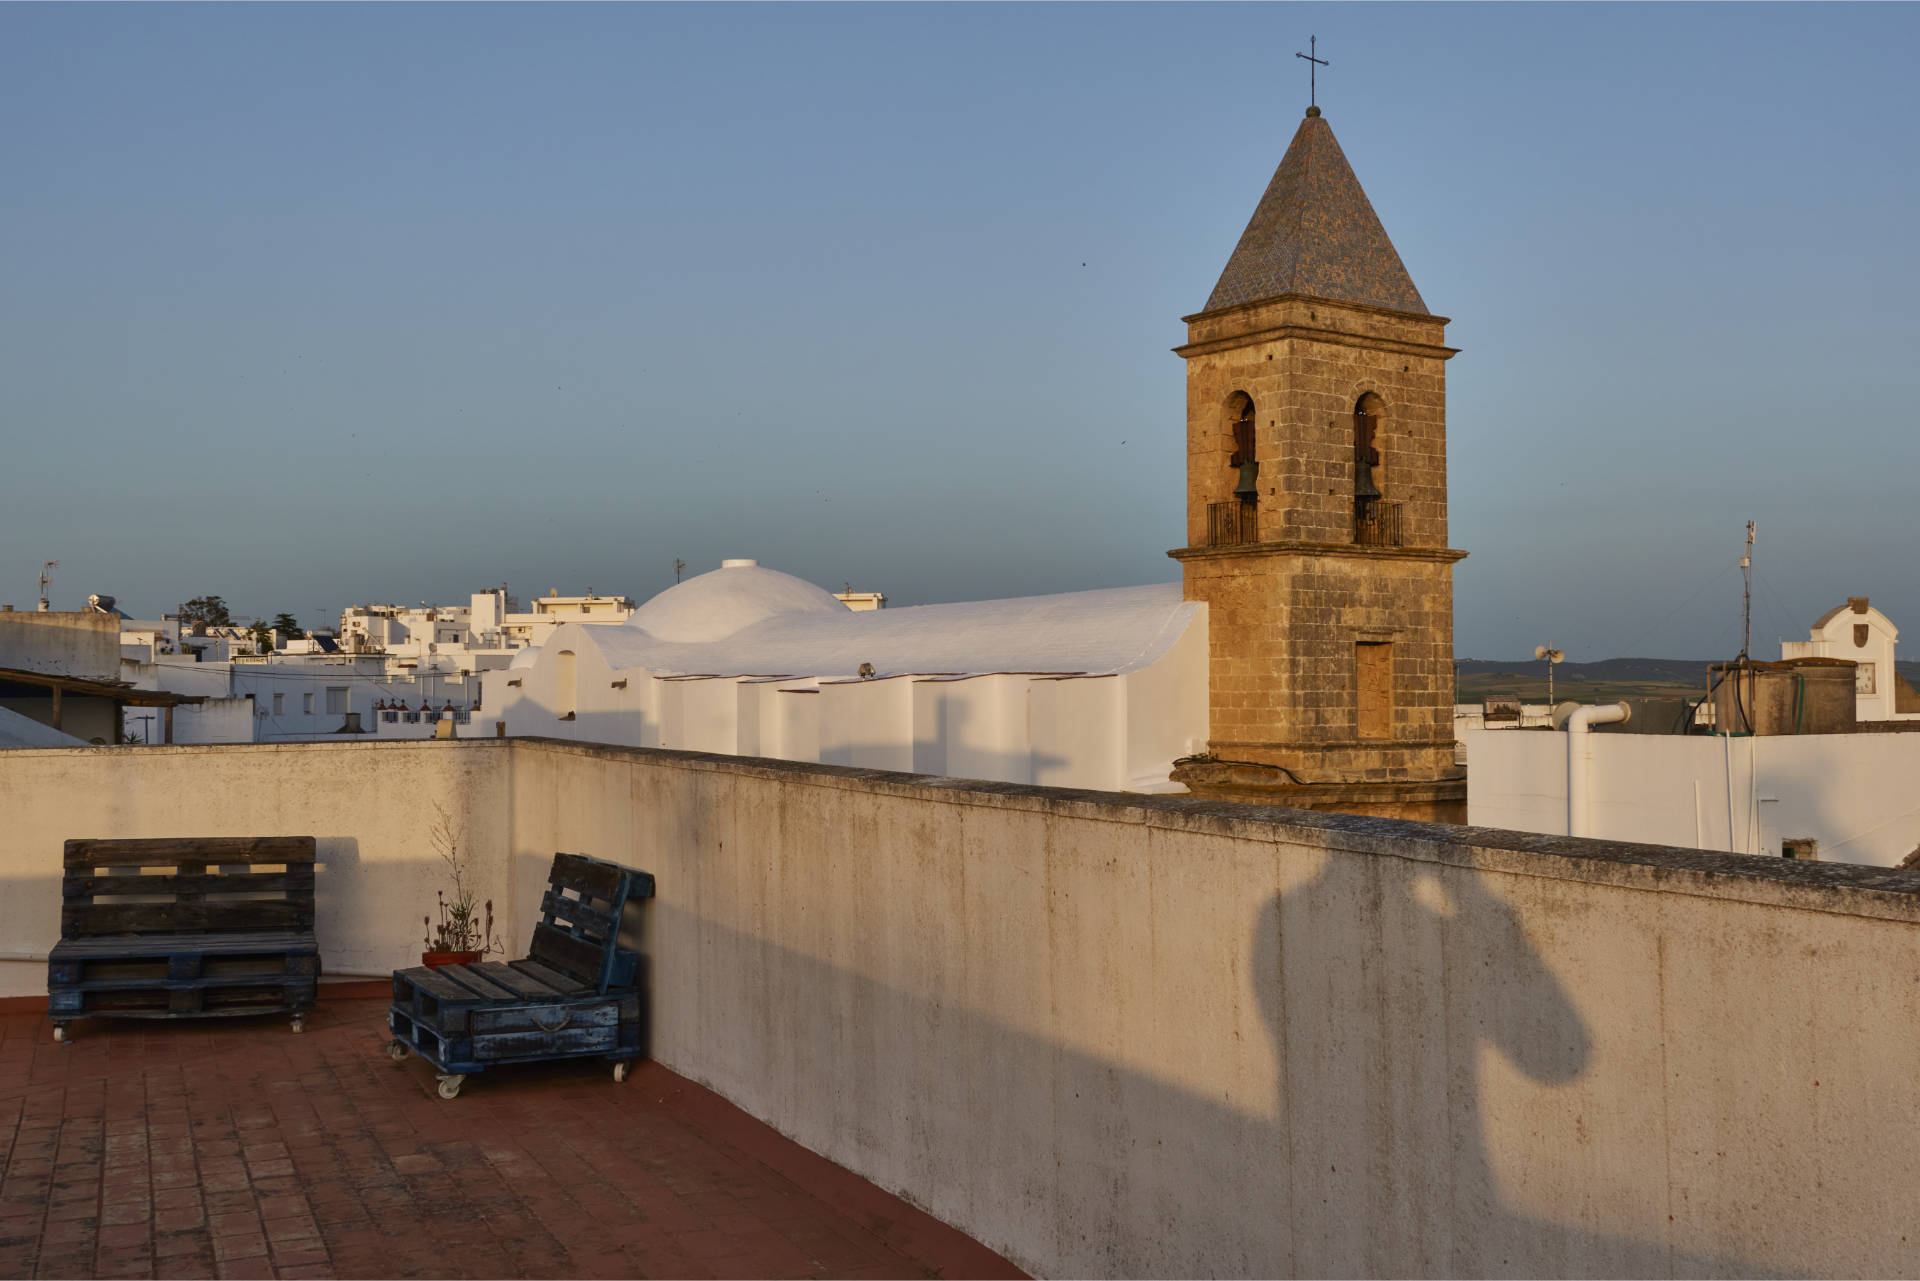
point(713, 606)
point(525, 657)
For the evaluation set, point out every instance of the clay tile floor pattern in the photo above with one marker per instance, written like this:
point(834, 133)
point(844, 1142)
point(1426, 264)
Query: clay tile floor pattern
point(235, 1148)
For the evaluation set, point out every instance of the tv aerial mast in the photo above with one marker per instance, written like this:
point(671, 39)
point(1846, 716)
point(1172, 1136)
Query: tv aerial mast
point(46, 579)
point(1746, 604)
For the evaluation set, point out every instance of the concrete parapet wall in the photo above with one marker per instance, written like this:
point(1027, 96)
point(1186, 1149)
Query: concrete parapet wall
point(62, 643)
point(1123, 1035)
point(372, 807)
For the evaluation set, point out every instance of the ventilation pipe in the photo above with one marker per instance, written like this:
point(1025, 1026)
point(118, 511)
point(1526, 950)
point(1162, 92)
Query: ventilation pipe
point(1580, 761)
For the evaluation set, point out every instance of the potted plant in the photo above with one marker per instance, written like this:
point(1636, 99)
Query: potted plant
point(464, 932)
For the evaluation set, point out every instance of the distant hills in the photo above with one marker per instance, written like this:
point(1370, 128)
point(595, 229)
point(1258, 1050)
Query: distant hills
point(1668, 670)
point(1610, 678)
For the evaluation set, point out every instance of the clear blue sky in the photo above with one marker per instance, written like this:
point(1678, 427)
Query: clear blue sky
point(315, 305)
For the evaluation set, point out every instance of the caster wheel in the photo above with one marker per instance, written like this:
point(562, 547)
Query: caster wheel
point(620, 1071)
point(397, 1050)
point(450, 1086)
point(59, 1033)
point(299, 1024)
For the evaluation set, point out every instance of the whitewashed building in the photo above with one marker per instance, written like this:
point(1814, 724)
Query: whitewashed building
point(1098, 689)
point(1846, 797)
point(1859, 632)
point(481, 635)
point(303, 696)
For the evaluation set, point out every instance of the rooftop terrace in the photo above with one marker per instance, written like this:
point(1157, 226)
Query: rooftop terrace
point(1101, 1034)
point(233, 1148)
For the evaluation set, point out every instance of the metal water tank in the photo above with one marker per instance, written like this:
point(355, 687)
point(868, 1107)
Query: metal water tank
point(1798, 696)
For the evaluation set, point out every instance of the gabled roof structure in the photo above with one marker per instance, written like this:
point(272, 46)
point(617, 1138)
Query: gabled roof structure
point(1315, 233)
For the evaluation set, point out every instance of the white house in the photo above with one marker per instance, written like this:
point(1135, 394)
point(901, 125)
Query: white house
point(302, 696)
point(1099, 689)
point(481, 635)
point(1858, 631)
point(1849, 797)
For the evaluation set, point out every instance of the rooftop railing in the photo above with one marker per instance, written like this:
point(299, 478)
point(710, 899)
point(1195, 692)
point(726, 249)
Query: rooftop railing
point(1232, 523)
point(1377, 525)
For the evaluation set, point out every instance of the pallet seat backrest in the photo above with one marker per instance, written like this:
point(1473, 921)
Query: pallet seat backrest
point(579, 929)
point(183, 885)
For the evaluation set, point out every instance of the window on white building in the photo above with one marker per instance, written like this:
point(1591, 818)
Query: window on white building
point(306, 703)
point(336, 700)
point(279, 704)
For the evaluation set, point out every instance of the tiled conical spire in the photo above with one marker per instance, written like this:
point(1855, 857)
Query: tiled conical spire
point(1315, 233)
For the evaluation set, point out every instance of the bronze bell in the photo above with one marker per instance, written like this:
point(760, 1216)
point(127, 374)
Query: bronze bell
point(1363, 486)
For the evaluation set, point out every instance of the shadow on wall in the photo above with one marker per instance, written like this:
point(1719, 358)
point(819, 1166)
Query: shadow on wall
point(1374, 1162)
point(946, 752)
point(1405, 1088)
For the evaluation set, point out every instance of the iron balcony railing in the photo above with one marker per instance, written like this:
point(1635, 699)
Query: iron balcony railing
point(1377, 525)
point(1233, 522)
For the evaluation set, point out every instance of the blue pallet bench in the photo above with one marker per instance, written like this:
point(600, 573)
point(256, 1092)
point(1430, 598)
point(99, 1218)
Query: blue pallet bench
point(185, 927)
point(576, 995)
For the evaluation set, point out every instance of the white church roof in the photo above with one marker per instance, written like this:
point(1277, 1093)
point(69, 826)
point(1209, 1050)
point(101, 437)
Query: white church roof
point(727, 601)
point(764, 623)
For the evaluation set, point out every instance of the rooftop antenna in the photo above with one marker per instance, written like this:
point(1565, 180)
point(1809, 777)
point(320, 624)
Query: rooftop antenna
point(1746, 607)
point(1313, 108)
point(679, 567)
point(46, 577)
point(1551, 656)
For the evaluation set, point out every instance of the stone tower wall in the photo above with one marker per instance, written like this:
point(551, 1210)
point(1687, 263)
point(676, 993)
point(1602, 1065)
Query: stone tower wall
point(1288, 611)
point(1306, 363)
point(1283, 631)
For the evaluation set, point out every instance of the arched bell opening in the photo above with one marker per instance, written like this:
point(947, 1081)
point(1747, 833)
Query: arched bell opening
point(1376, 521)
point(1237, 519)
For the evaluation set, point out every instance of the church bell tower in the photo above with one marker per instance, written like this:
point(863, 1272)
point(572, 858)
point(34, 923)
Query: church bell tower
point(1317, 509)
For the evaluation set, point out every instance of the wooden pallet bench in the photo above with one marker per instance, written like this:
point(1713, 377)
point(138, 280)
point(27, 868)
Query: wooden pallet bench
point(185, 927)
point(575, 995)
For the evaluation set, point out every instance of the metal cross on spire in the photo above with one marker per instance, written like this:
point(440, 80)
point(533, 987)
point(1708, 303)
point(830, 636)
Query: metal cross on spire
point(1317, 63)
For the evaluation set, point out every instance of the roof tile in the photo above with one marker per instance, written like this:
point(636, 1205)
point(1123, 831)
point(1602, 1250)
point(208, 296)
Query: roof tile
point(1315, 233)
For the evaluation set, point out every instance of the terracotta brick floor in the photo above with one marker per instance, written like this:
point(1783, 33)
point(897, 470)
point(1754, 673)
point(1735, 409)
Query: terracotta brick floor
point(237, 1149)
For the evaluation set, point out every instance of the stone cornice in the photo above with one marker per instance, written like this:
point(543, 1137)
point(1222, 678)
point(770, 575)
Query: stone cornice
point(1419, 316)
point(1320, 745)
point(1439, 555)
point(1343, 337)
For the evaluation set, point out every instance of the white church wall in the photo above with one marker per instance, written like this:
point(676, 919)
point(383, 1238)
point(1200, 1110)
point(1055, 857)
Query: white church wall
point(638, 707)
point(1078, 731)
point(1166, 704)
point(670, 694)
point(981, 726)
point(1122, 735)
point(709, 709)
point(766, 721)
point(929, 721)
point(751, 699)
point(793, 722)
point(867, 723)
point(1852, 793)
